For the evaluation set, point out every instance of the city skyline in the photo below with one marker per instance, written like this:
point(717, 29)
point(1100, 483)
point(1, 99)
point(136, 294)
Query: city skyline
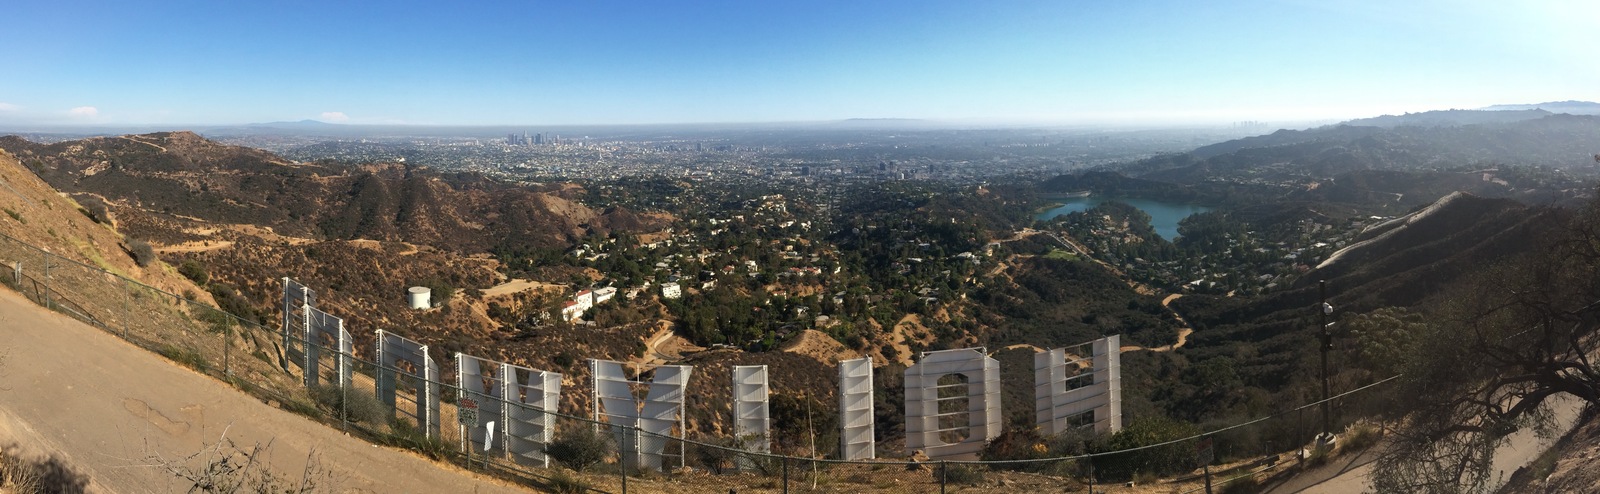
point(608, 63)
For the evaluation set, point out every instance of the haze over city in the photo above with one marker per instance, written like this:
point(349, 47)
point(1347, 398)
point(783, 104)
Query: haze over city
point(422, 63)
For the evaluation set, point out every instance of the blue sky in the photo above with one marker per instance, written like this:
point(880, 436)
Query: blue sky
point(603, 62)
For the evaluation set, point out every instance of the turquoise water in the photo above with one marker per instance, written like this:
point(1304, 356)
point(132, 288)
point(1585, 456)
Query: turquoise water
point(1164, 216)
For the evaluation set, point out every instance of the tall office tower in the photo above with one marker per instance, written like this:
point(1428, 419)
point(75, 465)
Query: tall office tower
point(538, 139)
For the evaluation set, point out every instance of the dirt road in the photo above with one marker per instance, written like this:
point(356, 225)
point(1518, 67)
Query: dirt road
point(105, 407)
point(1350, 474)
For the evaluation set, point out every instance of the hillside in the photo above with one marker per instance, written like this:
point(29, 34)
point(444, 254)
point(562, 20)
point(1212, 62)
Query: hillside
point(1448, 118)
point(1572, 465)
point(180, 175)
point(1562, 141)
point(1406, 262)
point(101, 405)
point(36, 214)
point(236, 218)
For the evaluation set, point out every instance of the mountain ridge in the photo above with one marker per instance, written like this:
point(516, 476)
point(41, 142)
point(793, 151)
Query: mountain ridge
point(185, 175)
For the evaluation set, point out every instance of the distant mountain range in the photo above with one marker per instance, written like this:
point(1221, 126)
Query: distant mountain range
point(1572, 107)
point(1448, 118)
point(1557, 140)
point(1496, 114)
point(307, 123)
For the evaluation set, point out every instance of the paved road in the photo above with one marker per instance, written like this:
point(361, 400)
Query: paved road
point(105, 406)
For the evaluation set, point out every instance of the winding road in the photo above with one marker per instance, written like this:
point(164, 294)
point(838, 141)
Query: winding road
point(1184, 330)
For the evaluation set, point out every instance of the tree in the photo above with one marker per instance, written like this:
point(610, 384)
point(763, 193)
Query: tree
point(194, 271)
point(579, 448)
point(1386, 337)
point(1141, 432)
point(141, 252)
point(1509, 341)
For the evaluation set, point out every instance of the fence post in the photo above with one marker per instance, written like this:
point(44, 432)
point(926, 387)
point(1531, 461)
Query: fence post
point(785, 474)
point(1300, 434)
point(45, 293)
point(1091, 474)
point(227, 345)
point(126, 311)
point(622, 462)
point(944, 475)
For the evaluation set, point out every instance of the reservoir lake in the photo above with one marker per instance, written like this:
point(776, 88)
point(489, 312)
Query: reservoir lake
point(1164, 216)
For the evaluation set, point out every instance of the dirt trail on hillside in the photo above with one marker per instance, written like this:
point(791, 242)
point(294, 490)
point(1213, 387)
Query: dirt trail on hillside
point(196, 246)
point(1184, 330)
point(664, 347)
point(105, 407)
point(147, 143)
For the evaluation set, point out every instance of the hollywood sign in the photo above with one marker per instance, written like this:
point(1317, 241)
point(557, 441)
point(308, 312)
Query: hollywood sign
point(1071, 390)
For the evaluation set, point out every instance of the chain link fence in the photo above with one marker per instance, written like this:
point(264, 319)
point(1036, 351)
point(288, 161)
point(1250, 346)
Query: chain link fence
point(351, 387)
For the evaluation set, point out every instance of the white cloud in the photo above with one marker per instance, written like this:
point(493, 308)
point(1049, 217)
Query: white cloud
point(8, 107)
point(334, 116)
point(84, 112)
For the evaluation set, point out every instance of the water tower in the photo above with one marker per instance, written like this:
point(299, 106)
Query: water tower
point(418, 296)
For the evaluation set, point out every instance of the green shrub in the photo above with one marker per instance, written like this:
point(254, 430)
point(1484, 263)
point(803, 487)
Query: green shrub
point(230, 301)
point(1164, 460)
point(404, 435)
point(218, 321)
point(295, 405)
point(730, 455)
point(194, 271)
point(187, 356)
point(579, 448)
point(95, 209)
point(442, 290)
point(352, 405)
point(142, 253)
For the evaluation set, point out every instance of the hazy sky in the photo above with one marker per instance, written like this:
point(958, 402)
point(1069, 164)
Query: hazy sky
point(581, 62)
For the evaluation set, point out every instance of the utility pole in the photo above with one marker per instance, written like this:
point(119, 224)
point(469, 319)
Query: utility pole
point(1325, 310)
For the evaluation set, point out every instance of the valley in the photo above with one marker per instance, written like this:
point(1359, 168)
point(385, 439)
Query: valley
point(886, 253)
